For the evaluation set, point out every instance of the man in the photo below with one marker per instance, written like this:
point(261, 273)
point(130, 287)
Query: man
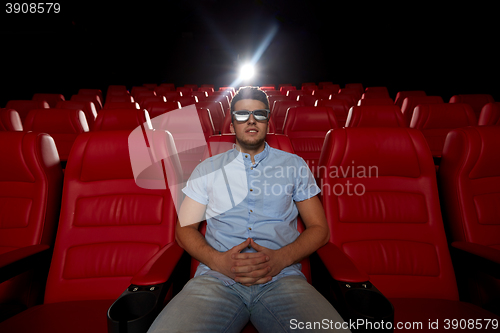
point(249, 258)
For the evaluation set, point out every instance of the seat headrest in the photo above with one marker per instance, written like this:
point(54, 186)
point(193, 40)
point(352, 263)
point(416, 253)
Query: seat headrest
point(310, 119)
point(24, 152)
point(476, 148)
point(490, 114)
point(120, 119)
point(10, 120)
point(375, 116)
point(445, 115)
point(397, 151)
point(100, 156)
point(56, 121)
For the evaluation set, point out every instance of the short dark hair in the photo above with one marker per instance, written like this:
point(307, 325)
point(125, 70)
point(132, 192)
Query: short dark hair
point(250, 93)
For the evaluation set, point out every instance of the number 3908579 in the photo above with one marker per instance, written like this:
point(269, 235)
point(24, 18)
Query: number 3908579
point(32, 8)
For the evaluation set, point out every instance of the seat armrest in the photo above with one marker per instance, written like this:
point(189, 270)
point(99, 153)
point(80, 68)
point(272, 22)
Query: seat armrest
point(23, 259)
point(340, 266)
point(479, 250)
point(477, 256)
point(159, 268)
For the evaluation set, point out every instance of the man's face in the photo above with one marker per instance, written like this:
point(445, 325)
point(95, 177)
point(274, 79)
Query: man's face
point(250, 134)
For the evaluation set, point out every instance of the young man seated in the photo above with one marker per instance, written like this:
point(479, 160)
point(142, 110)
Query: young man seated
point(249, 258)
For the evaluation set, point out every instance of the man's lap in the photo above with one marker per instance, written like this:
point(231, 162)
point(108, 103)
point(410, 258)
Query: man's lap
point(206, 304)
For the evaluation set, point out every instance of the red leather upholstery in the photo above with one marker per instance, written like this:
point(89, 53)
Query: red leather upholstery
point(218, 97)
point(375, 94)
point(30, 199)
point(121, 105)
point(306, 126)
point(109, 228)
point(401, 95)
point(120, 119)
point(24, 107)
point(410, 102)
point(376, 101)
point(207, 125)
point(469, 177)
point(274, 98)
point(375, 116)
point(340, 108)
point(279, 113)
point(476, 101)
point(436, 120)
point(388, 220)
point(90, 98)
point(64, 125)
point(87, 107)
point(157, 108)
point(10, 120)
point(217, 113)
point(490, 114)
point(284, 89)
point(92, 92)
point(52, 99)
point(186, 100)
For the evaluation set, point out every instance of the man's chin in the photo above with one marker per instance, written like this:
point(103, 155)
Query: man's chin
point(251, 143)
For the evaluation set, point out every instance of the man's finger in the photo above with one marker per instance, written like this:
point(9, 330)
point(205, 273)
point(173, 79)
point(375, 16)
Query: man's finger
point(241, 246)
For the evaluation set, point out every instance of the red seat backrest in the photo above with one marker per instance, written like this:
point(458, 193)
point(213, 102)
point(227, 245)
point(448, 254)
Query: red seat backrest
point(24, 107)
point(381, 201)
point(109, 226)
point(10, 120)
point(469, 176)
point(120, 119)
point(64, 125)
point(436, 120)
point(401, 95)
point(279, 113)
point(340, 108)
point(52, 99)
point(476, 101)
point(217, 113)
point(375, 116)
point(410, 102)
point(306, 126)
point(490, 114)
point(30, 201)
point(87, 107)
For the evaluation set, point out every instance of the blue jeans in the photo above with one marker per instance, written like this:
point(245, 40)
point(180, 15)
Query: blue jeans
point(207, 305)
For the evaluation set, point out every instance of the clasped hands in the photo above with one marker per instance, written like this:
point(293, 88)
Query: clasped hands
point(252, 267)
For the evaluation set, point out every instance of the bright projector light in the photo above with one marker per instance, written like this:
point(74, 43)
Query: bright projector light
point(246, 72)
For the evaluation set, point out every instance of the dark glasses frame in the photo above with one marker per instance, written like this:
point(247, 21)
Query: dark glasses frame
point(248, 113)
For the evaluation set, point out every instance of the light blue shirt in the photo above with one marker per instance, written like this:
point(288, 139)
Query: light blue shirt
point(246, 200)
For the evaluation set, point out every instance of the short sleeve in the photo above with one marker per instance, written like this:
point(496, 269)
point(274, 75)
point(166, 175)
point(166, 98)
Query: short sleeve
point(305, 185)
point(196, 186)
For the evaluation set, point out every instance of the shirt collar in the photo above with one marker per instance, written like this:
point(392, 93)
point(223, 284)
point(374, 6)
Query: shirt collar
point(259, 157)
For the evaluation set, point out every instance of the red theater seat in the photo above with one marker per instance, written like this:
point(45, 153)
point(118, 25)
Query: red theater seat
point(469, 177)
point(401, 95)
point(10, 120)
point(24, 107)
point(376, 101)
point(92, 92)
point(89, 98)
point(201, 95)
point(216, 112)
point(436, 120)
point(476, 101)
point(375, 94)
point(52, 99)
point(120, 119)
point(308, 100)
point(358, 86)
point(285, 88)
point(64, 125)
point(490, 114)
point(121, 105)
point(340, 108)
point(410, 102)
point(30, 200)
point(273, 99)
point(207, 124)
point(279, 113)
point(223, 97)
point(157, 108)
point(187, 100)
point(111, 233)
point(208, 90)
point(144, 102)
point(125, 98)
point(87, 107)
point(375, 116)
point(381, 202)
point(306, 126)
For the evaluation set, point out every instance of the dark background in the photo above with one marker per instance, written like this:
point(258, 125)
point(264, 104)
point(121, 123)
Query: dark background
point(444, 50)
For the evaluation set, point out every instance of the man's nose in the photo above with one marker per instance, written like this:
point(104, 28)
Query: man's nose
point(251, 119)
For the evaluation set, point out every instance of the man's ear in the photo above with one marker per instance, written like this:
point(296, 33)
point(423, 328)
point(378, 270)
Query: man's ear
point(231, 128)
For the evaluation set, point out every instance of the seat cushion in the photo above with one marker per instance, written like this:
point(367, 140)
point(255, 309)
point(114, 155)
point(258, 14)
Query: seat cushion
point(63, 317)
point(428, 311)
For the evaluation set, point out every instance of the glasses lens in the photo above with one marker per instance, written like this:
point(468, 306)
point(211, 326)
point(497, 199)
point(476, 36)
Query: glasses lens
point(241, 115)
point(260, 115)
